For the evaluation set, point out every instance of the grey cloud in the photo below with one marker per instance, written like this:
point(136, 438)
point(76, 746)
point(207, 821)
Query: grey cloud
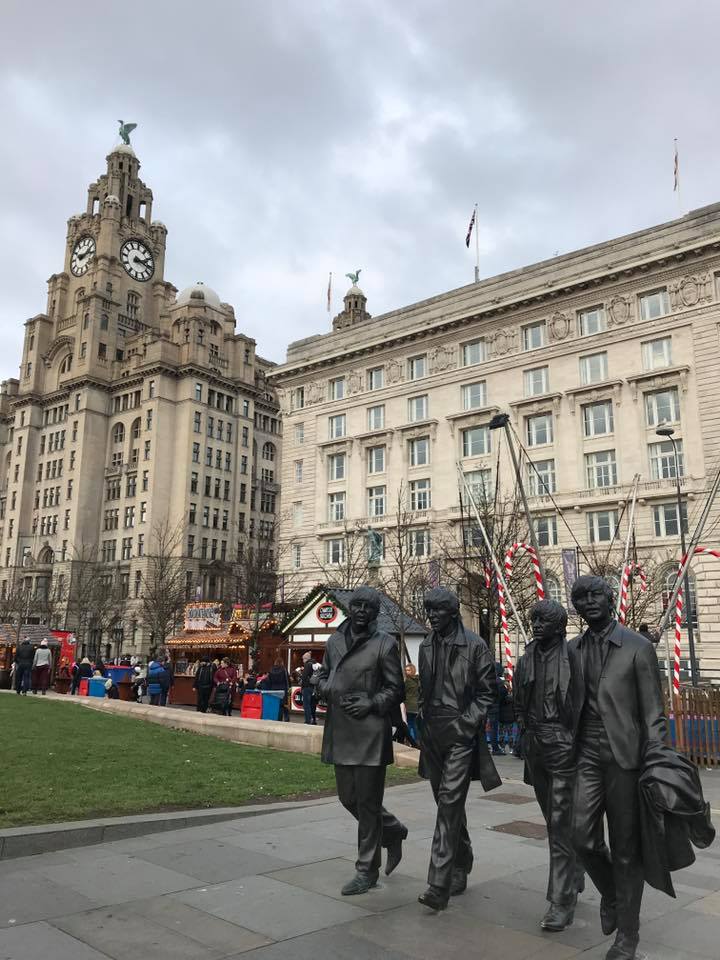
point(286, 139)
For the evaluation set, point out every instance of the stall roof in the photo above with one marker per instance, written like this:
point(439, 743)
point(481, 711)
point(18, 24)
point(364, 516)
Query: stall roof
point(34, 632)
point(389, 618)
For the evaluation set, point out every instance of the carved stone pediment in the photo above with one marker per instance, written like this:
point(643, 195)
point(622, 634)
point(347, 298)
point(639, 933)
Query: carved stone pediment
point(504, 341)
point(443, 357)
point(619, 311)
point(559, 326)
point(58, 345)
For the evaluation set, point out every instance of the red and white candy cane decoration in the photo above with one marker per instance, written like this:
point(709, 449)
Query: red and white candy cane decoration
point(539, 587)
point(630, 567)
point(678, 618)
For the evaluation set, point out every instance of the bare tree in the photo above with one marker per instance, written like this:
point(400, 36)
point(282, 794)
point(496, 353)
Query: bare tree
point(85, 572)
point(351, 568)
point(16, 602)
point(162, 598)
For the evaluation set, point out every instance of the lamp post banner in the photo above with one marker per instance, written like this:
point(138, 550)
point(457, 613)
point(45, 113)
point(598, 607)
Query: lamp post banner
point(570, 572)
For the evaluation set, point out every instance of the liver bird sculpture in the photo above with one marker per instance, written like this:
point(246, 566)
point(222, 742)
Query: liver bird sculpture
point(125, 130)
point(353, 277)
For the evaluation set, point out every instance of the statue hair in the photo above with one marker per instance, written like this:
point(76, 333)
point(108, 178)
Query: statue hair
point(555, 612)
point(590, 582)
point(440, 595)
point(369, 595)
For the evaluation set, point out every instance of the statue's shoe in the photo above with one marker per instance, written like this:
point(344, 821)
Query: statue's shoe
point(394, 853)
point(624, 948)
point(360, 883)
point(608, 916)
point(435, 898)
point(557, 917)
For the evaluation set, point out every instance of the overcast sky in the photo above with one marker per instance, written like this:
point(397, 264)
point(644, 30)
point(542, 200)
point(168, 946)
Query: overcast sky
point(283, 140)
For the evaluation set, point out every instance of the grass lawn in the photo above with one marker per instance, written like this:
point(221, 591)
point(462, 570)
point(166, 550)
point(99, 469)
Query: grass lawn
point(63, 762)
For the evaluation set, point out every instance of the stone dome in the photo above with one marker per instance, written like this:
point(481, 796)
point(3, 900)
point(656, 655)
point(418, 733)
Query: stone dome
point(355, 291)
point(158, 225)
point(198, 292)
point(123, 148)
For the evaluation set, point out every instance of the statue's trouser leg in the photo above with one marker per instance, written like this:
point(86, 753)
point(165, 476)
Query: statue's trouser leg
point(602, 787)
point(449, 765)
point(554, 792)
point(392, 828)
point(360, 791)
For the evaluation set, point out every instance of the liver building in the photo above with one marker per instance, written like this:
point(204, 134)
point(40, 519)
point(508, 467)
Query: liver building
point(141, 422)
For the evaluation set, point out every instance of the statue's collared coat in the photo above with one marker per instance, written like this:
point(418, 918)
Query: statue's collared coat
point(472, 674)
point(370, 666)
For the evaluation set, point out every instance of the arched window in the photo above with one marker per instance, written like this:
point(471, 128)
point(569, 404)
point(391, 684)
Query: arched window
point(118, 433)
point(79, 294)
point(614, 581)
point(268, 451)
point(668, 584)
point(135, 429)
point(553, 590)
point(46, 555)
point(66, 364)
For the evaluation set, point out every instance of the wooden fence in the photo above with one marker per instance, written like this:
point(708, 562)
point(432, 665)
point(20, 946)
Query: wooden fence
point(695, 725)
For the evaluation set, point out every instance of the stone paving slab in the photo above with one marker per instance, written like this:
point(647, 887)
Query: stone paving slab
point(269, 888)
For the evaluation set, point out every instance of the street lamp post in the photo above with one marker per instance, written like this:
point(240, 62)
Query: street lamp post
point(668, 433)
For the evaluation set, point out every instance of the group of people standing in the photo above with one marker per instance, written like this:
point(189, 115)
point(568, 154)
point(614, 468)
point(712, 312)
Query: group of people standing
point(32, 668)
point(593, 730)
point(217, 682)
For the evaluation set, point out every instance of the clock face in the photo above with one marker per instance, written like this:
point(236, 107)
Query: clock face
point(137, 259)
point(83, 252)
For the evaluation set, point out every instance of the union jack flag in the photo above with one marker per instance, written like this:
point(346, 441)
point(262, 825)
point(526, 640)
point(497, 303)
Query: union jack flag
point(470, 229)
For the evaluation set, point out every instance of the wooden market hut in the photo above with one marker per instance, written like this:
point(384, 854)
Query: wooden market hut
point(35, 633)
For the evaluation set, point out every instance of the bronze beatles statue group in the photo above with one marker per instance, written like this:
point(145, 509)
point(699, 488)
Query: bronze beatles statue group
point(593, 734)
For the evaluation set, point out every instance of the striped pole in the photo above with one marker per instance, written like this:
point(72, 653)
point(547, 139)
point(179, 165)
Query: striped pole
point(678, 618)
point(539, 588)
point(628, 570)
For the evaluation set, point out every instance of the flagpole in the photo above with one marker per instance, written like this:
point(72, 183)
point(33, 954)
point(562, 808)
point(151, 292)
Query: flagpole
point(477, 247)
point(329, 294)
point(677, 177)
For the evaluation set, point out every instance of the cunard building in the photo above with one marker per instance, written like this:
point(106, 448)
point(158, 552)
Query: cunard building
point(137, 408)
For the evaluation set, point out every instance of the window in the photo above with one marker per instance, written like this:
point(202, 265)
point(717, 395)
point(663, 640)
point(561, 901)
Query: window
point(418, 408)
point(591, 321)
point(145, 479)
point(475, 441)
point(376, 501)
point(654, 304)
point(474, 395)
point(299, 433)
point(196, 453)
point(336, 426)
point(553, 590)
point(243, 464)
point(335, 551)
point(602, 525)
point(662, 460)
point(83, 350)
point(419, 542)
point(376, 417)
point(657, 354)
point(118, 433)
point(473, 352)
point(537, 381)
point(600, 469)
point(598, 418)
point(336, 388)
point(208, 456)
point(297, 398)
point(419, 451)
point(206, 516)
point(541, 477)
point(593, 368)
point(662, 406)
point(245, 437)
point(480, 484)
point(546, 533)
point(148, 420)
point(533, 336)
point(151, 389)
point(665, 517)
point(336, 466)
point(297, 514)
point(268, 452)
point(129, 520)
point(102, 352)
point(296, 556)
point(198, 392)
point(420, 494)
point(336, 507)
point(376, 378)
point(298, 471)
point(143, 511)
point(539, 429)
point(376, 459)
point(126, 552)
point(197, 416)
point(417, 367)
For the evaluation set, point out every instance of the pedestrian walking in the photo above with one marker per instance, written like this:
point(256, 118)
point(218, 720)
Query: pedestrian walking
point(24, 656)
point(307, 689)
point(412, 685)
point(203, 684)
point(42, 666)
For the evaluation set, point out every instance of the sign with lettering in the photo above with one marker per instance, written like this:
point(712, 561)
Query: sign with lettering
point(326, 612)
point(203, 616)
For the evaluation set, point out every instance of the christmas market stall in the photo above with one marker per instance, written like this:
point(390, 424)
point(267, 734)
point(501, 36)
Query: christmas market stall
point(320, 614)
point(35, 633)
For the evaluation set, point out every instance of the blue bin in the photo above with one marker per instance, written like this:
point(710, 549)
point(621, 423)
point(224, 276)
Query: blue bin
point(96, 687)
point(271, 703)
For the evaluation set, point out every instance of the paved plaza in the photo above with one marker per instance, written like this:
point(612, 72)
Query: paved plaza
point(268, 887)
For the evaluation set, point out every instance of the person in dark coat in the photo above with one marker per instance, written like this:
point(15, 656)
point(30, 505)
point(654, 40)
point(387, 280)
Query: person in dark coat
point(361, 681)
point(307, 689)
point(24, 656)
point(203, 684)
point(457, 677)
point(278, 679)
point(496, 708)
point(546, 696)
point(620, 711)
point(225, 680)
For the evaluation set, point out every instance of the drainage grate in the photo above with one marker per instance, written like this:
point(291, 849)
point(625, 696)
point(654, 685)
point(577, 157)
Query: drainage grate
point(508, 798)
point(523, 828)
